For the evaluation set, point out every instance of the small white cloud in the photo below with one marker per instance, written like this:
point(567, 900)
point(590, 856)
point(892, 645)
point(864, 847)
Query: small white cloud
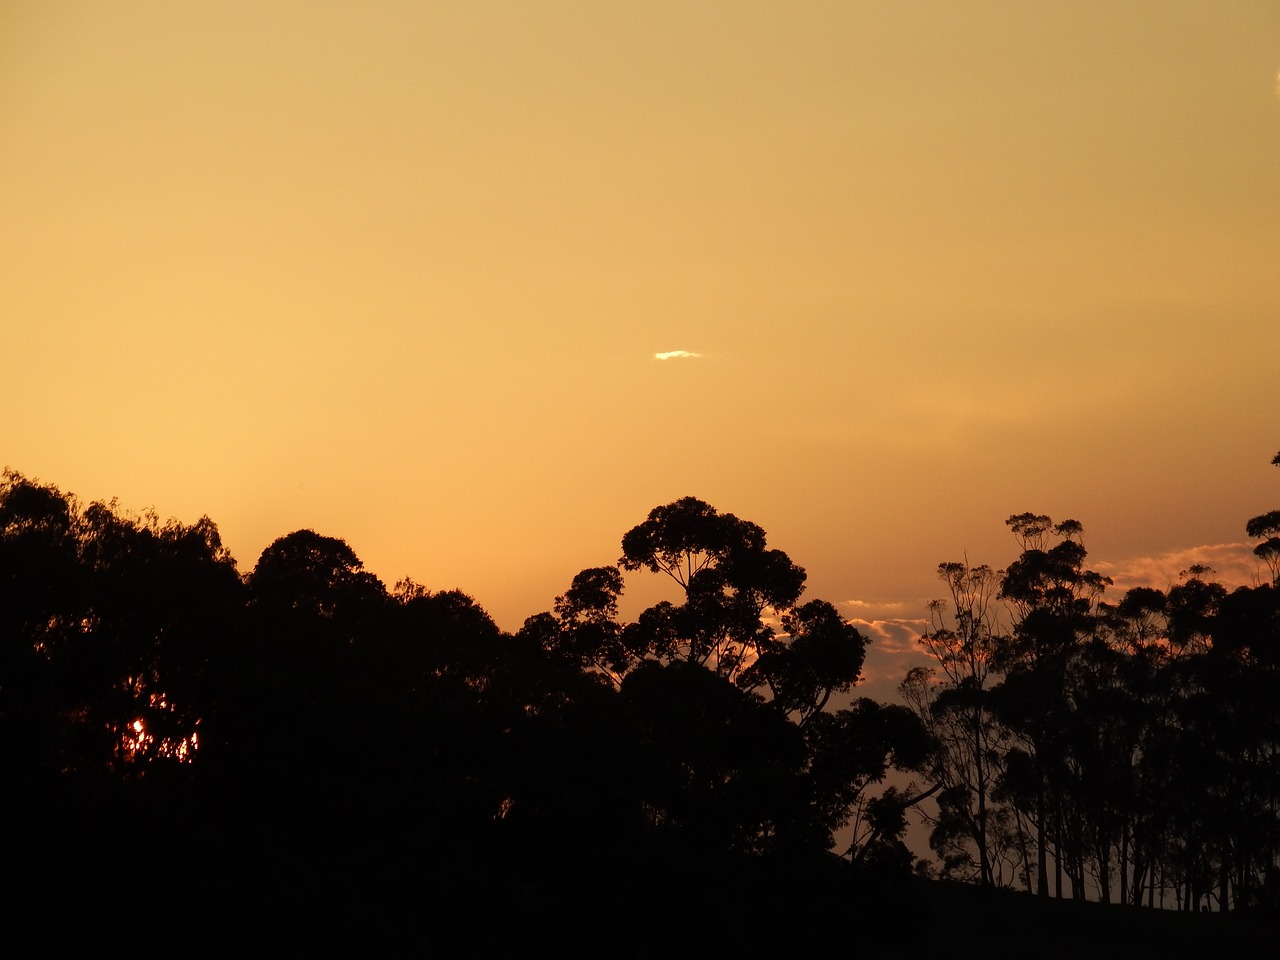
point(676, 355)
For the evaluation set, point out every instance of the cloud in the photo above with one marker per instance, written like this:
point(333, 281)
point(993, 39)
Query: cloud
point(892, 637)
point(892, 649)
point(676, 355)
point(891, 652)
point(1233, 565)
point(882, 611)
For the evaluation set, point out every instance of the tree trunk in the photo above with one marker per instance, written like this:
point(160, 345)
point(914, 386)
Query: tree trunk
point(984, 860)
point(1042, 859)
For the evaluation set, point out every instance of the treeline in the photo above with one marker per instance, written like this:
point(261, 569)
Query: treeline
point(1127, 751)
point(297, 745)
point(301, 748)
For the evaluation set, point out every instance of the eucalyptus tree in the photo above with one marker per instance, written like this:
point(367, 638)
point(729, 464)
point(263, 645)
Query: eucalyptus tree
point(1055, 603)
point(740, 617)
point(108, 622)
point(295, 687)
point(42, 609)
point(741, 639)
point(1266, 528)
point(851, 751)
point(164, 601)
point(1139, 712)
point(583, 629)
point(729, 578)
point(969, 741)
point(1229, 682)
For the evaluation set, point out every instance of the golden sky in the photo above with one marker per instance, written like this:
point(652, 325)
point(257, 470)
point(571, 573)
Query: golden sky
point(398, 272)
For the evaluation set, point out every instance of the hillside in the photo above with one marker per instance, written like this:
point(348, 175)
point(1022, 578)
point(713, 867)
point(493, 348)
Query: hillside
point(969, 922)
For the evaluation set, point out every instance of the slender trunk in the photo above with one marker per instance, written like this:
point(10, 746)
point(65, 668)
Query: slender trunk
point(1058, 865)
point(1193, 880)
point(1128, 860)
point(1104, 872)
point(984, 860)
point(1042, 859)
point(1139, 872)
point(1224, 881)
point(1023, 851)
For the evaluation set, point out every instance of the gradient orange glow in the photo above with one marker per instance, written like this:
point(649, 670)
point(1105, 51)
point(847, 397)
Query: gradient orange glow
point(400, 272)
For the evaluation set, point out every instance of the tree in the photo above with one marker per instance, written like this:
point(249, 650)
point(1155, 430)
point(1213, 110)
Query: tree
point(852, 751)
point(741, 616)
point(107, 625)
point(164, 601)
point(313, 577)
point(968, 740)
point(293, 685)
point(1054, 599)
point(822, 654)
point(741, 619)
point(1267, 529)
point(713, 765)
point(742, 625)
point(585, 629)
point(729, 579)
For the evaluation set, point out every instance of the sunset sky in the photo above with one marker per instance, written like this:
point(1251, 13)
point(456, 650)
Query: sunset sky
point(403, 273)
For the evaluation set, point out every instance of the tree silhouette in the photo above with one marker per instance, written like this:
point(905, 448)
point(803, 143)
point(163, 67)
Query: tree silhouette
point(729, 579)
point(968, 740)
point(110, 621)
point(1267, 529)
point(1055, 603)
point(42, 607)
point(585, 630)
point(852, 751)
point(740, 624)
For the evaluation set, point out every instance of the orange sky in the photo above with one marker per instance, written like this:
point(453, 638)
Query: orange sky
point(398, 272)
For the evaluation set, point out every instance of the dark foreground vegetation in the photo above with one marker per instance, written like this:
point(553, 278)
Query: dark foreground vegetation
point(298, 757)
